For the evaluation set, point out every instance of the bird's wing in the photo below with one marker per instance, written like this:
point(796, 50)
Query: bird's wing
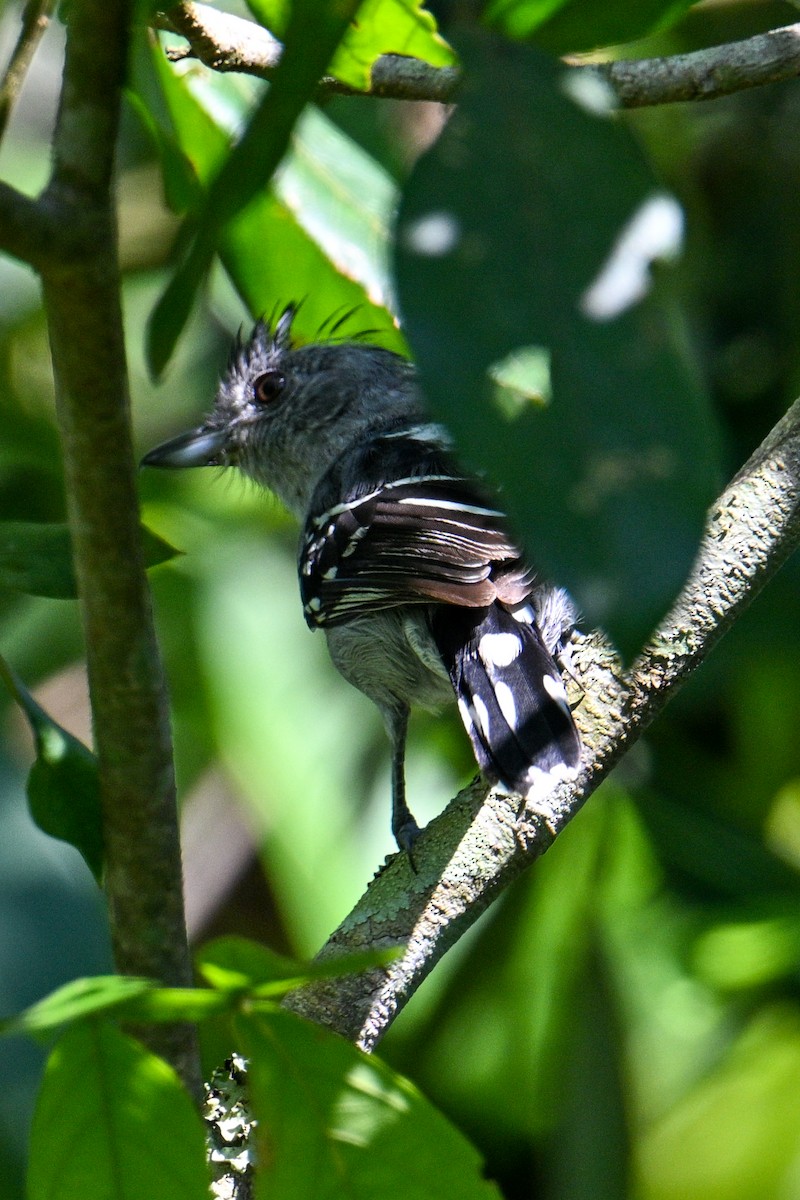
point(411, 541)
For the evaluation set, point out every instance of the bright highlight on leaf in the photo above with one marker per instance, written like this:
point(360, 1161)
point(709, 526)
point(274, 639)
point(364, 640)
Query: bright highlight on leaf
point(654, 232)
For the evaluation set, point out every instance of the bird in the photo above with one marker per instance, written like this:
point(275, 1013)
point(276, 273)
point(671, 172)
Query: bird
point(405, 560)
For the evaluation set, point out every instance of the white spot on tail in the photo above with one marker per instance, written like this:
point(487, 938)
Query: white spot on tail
point(555, 688)
point(499, 649)
point(480, 715)
point(505, 700)
point(542, 783)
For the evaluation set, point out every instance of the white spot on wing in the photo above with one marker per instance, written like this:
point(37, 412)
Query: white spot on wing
point(499, 649)
point(655, 231)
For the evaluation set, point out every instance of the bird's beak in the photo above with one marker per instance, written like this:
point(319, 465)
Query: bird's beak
point(195, 448)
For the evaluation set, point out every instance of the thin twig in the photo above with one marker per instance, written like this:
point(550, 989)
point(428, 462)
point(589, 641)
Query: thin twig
point(229, 43)
point(479, 846)
point(35, 19)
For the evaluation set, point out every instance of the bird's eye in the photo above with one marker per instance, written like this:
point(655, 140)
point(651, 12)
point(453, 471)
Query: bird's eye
point(267, 387)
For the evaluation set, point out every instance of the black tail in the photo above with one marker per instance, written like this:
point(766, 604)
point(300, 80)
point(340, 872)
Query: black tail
point(510, 695)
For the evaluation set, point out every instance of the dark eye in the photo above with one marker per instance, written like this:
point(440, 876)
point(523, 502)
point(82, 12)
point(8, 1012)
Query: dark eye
point(267, 387)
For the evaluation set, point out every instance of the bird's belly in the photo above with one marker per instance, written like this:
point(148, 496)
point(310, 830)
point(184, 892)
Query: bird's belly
point(390, 656)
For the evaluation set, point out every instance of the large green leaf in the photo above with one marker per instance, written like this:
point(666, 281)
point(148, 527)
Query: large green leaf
point(37, 558)
point(320, 234)
point(572, 25)
point(313, 33)
point(112, 1121)
point(63, 784)
point(334, 1122)
point(532, 223)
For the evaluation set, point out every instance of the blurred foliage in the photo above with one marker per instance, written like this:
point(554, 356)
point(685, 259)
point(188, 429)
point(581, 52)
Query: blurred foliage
point(626, 1021)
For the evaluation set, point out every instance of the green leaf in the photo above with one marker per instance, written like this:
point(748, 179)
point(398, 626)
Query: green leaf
point(609, 483)
point(273, 14)
point(327, 214)
point(169, 1005)
point(574, 25)
point(37, 558)
point(388, 27)
point(63, 786)
point(113, 1120)
point(76, 1000)
point(238, 963)
point(733, 1135)
point(313, 33)
point(335, 1122)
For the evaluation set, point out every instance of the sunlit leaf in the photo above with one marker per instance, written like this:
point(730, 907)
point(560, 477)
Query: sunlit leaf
point(76, 1000)
point(238, 963)
point(388, 27)
point(113, 1120)
point(313, 33)
point(327, 215)
point(333, 1121)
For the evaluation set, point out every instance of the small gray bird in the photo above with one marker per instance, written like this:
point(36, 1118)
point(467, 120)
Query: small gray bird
point(405, 562)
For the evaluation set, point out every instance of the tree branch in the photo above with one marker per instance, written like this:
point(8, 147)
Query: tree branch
point(466, 857)
point(35, 19)
point(131, 726)
point(707, 74)
point(229, 43)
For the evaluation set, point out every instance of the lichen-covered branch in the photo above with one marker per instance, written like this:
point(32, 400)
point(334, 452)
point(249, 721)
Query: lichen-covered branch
point(479, 846)
point(229, 43)
point(708, 74)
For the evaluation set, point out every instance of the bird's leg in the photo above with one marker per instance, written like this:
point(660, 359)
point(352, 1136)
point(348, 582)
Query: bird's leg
point(404, 827)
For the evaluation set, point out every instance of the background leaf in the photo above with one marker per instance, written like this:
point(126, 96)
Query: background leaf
point(313, 32)
point(571, 25)
point(76, 1000)
point(63, 784)
point(37, 558)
